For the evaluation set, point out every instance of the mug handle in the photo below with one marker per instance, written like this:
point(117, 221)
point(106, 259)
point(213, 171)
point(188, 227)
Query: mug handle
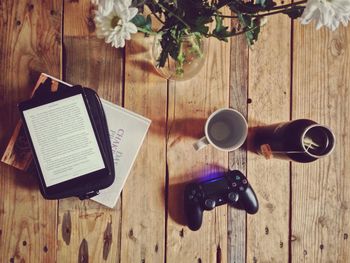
point(201, 143)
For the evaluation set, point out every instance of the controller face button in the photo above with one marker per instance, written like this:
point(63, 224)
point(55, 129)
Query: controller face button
point(241, 188)
point(199, 195)
point(238, 177)
point(209, 203)
point(244, 181)
point(234, 184)
point(193, 192)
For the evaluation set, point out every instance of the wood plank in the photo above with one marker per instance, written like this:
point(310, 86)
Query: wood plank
point(29, 44)
point(321, 199)
point(236, 220)
point(190, 104)
point(88, 231)
point(269, 91)
point(143, 222)
point(17, 153)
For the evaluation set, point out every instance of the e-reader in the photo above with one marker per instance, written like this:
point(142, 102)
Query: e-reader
point(70, 151)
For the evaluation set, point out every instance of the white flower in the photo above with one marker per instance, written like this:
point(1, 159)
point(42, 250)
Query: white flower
point(112, 21)
point(328, 13)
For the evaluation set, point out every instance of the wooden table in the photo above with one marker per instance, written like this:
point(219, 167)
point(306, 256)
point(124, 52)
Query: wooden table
point(293, 72)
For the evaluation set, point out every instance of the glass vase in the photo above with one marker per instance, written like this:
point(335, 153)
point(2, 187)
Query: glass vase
point(191, 58)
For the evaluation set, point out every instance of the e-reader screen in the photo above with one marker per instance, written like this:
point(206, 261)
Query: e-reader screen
point(64, 140)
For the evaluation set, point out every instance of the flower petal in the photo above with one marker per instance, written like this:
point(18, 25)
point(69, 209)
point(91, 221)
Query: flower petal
point(109, 10)
point(131, 27)
point(329, 13)
point(133, 12)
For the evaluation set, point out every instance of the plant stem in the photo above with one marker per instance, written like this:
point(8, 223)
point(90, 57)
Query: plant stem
point(158, 18)
point(289, 5)
point(234, 34)
point(223, 3)
point(140, 29)
point(245, 31)
point(265, 14)
point(270, 9)
point(175, 15)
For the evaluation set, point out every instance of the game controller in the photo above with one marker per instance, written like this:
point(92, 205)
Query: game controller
point(231, 188)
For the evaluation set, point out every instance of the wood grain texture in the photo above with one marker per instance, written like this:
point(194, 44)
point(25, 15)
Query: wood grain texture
point(79, 18)
point(148, 223)
point(236, 220)
point(88, 231)
point(190, 104)
point(269, 91)
point(143, 222)
point(321, 199)
point(17, 152)
point(29, 44)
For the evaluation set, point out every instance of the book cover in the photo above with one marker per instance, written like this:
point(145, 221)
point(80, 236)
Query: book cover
point(127, 131)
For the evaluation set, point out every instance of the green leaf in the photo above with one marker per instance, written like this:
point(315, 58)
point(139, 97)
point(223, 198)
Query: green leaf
point(261, 2)
point(239, 6)
point(200, 24)
point(220, 30)
point(252, 26)
point(142, 22)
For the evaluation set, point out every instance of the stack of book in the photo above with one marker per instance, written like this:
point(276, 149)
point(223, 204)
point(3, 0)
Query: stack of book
point(30, 144)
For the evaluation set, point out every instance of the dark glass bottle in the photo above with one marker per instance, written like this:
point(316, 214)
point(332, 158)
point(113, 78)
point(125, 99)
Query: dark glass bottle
point(299, 140)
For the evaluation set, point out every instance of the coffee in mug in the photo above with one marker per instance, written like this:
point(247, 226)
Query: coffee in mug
point(226, 129)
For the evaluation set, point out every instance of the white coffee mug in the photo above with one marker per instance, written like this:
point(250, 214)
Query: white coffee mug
point(226, 129)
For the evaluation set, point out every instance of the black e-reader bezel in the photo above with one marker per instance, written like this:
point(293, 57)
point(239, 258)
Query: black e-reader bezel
point(77, 186)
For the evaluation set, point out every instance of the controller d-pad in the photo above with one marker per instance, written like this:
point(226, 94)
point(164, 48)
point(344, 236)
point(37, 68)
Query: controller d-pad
point(209, 204)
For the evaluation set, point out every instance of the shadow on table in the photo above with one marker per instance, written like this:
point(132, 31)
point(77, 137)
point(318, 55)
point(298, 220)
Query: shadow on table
point(250, 144)
point(28, 179)
point(140, 56)
point(146, 66)
point(176, 191)
point(186, 127)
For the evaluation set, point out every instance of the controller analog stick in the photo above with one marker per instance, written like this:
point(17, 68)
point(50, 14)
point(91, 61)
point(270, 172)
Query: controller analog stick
point(233, 197)
point(209, 203)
